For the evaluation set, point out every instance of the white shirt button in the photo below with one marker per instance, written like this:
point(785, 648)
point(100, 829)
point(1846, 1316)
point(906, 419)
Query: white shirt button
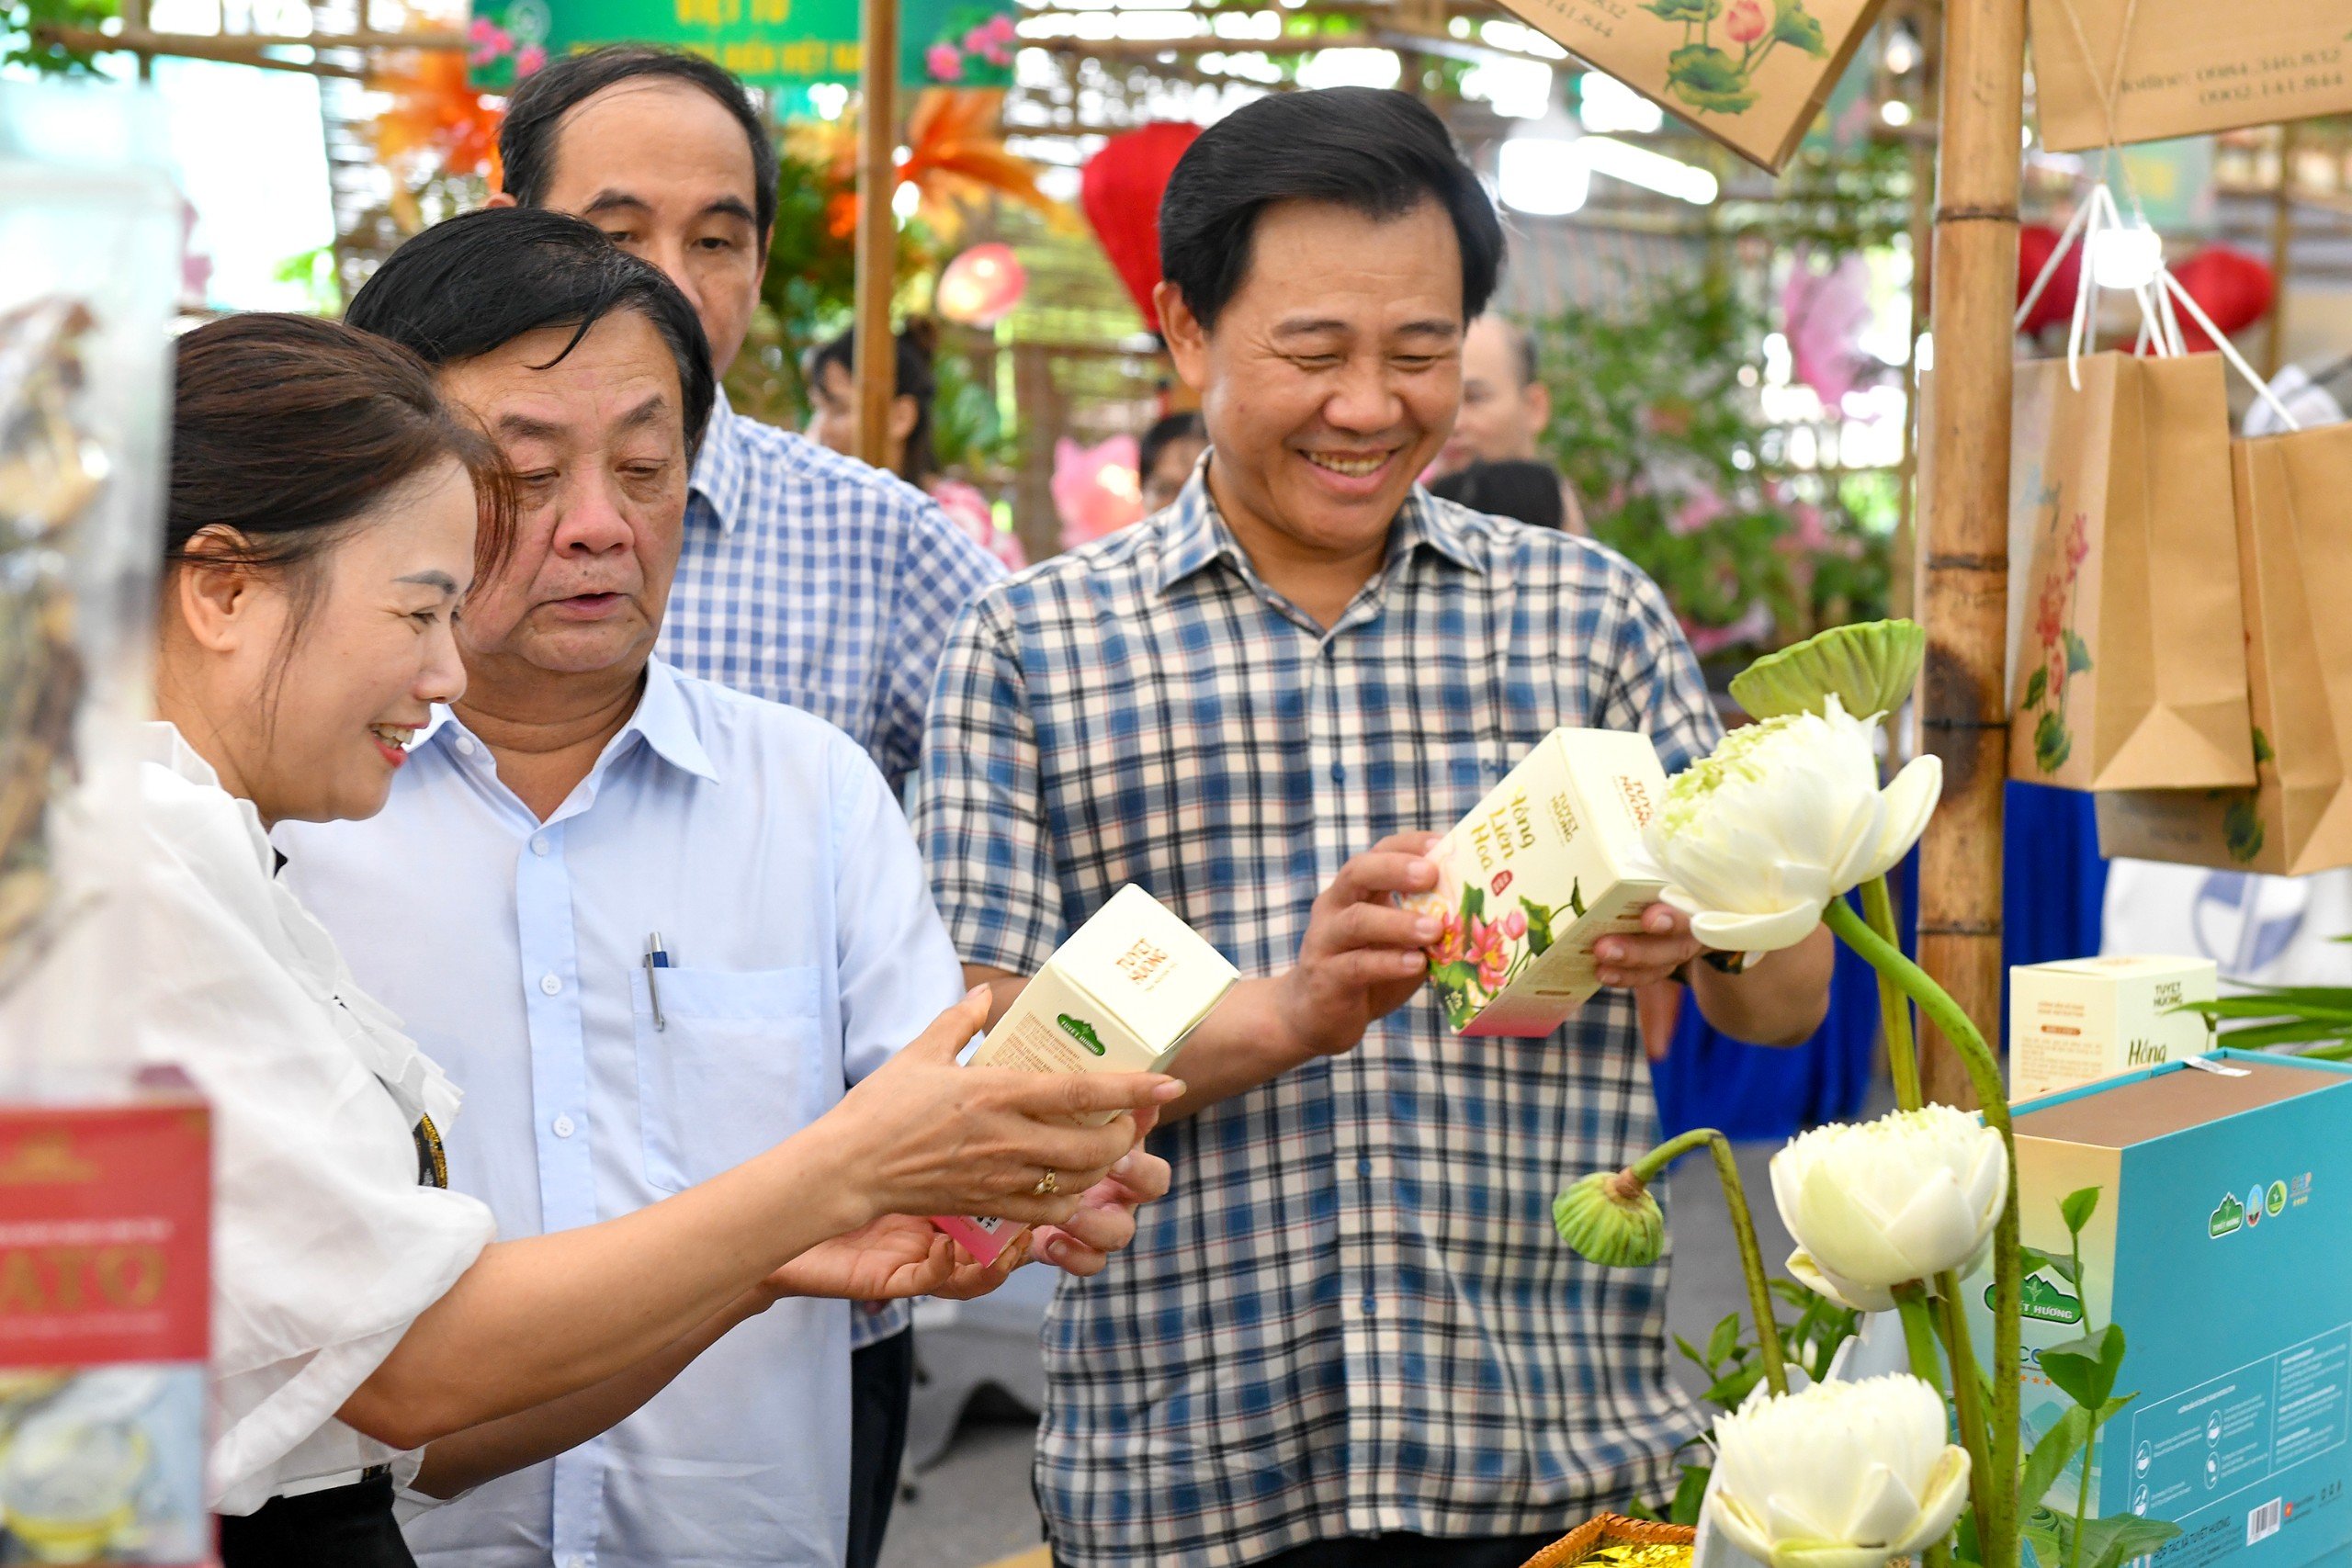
point(563, 1130)
point(539, 843)
point(549, 984)
point(464, 746)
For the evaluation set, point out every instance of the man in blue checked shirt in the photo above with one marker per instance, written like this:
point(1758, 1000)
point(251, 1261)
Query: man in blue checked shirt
point(1348, 1336)
point(804, 576)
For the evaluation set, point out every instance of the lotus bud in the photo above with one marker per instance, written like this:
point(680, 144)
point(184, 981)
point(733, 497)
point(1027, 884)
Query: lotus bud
point(1870, 667)
point(1611, 1219)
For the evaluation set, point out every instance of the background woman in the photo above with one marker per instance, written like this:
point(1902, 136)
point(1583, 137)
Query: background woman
point(322, 535)
point(910, 453)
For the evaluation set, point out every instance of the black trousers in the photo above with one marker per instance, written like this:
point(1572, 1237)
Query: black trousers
point(348, 1526)
point(1399, 1551)
point(881, 1381)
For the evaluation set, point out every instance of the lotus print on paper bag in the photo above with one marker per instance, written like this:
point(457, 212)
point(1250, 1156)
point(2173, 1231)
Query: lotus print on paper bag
point(2060, 653)
point(1718, 78)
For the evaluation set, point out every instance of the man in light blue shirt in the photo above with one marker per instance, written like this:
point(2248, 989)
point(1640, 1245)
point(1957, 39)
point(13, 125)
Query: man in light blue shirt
point(804, 576)
point(649, 924)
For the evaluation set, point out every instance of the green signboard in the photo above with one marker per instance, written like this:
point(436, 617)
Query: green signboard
point(769, 44)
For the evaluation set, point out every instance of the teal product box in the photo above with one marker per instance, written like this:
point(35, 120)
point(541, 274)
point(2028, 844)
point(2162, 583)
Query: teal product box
point(2223, 1244)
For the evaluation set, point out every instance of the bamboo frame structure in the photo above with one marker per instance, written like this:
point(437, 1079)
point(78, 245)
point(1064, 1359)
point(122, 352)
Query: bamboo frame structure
point(875, 357)
point(1964, 515)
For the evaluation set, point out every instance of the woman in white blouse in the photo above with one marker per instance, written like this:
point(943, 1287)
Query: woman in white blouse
point(321, 533)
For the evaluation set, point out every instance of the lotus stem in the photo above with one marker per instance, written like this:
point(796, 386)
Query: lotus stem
point(1951, 1323)
point(1743, 1229)
point(1894, 1008)
point(2000, 1543)
point(1919, 1339)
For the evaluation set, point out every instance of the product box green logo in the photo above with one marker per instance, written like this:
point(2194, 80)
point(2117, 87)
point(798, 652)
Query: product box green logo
point(1078, 1029)
point(2045, 1300)
point(2229, 1217)
point(2274, 1202)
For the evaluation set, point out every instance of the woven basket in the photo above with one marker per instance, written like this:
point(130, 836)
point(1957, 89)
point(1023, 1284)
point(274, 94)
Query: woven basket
point(1609, 1529)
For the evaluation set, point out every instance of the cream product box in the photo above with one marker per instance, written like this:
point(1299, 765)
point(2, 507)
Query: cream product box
point(1118, 997)
point(2080, 1020)
point(1550, 863)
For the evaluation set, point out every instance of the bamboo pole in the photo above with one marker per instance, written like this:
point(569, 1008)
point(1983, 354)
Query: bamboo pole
point(1964, 519)
point(875, 367)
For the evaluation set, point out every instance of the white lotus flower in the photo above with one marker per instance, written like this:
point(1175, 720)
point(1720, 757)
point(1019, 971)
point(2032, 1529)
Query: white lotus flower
point(1785, 815)
point(1840, 1475)
point(1877, 1204)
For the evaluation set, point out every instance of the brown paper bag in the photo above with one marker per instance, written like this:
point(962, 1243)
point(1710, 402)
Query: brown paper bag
point(2130, 669)
point(1751, 74)
point(2294, 515)
point(2186, 66)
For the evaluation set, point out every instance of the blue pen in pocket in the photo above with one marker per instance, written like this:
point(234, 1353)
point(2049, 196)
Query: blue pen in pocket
point(655, 958)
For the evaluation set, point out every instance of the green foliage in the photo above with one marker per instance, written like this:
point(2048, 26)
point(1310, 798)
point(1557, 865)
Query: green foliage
point(809, 290)
point(2318, 1019)
point(968, 434)
point(2084, 1368)
point(1656, 430)
point(2076, 1209)
point(23, 24)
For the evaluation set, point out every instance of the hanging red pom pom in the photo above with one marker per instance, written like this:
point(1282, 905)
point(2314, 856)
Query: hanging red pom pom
point(1119, 191)
point(2233, 288)
point(2035, 241)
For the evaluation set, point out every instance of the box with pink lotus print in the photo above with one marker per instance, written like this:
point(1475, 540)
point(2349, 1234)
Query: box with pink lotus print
point(1550, 863)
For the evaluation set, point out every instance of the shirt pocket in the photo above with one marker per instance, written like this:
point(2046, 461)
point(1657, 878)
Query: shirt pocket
point(729, 1073)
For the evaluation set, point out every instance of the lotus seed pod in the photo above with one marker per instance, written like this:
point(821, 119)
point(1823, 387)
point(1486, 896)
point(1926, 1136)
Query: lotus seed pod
point(1872, 669)
point(1611, 1219)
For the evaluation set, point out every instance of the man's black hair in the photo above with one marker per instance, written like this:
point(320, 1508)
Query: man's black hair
point(479, 281)
point(1164, 432)
point(534, 111)
point(1373, 148)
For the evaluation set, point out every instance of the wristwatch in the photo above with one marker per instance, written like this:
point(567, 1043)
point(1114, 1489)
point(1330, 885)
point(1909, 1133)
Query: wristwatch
point(1721, 963)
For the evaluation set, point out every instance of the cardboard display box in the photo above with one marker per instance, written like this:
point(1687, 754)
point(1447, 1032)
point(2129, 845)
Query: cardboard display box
point(2080, 1020)
point(105, 1232)
point(2223, 1244)
point(1551, 862)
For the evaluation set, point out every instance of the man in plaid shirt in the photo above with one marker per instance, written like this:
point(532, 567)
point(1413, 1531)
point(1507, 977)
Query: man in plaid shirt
point(1348, 1335)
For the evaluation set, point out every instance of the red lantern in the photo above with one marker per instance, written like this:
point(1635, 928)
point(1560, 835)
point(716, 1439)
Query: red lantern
point(2035, 241)
point(2233, 288)
point(1120, 189)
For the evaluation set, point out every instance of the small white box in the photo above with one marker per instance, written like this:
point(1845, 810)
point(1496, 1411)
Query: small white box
point(1551, 862)
point(1118, 997)
point(2080, 1020)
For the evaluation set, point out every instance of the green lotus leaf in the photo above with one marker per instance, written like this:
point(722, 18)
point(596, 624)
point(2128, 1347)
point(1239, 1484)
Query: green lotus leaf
point(1870, 666)
point(1792, 24)
point(1699, 11)
point(2053, 743)
point(1703, 69)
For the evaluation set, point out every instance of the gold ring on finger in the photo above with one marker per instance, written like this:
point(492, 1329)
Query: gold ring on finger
point(1047, 1184)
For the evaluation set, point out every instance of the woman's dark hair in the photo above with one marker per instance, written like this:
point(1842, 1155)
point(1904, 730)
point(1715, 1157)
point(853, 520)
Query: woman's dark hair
point(916, 378)
point(1164, 431)
point(534, 111)
point(286, 429)
point(1528, 491)
point(479, 281)
point(1373, 148)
